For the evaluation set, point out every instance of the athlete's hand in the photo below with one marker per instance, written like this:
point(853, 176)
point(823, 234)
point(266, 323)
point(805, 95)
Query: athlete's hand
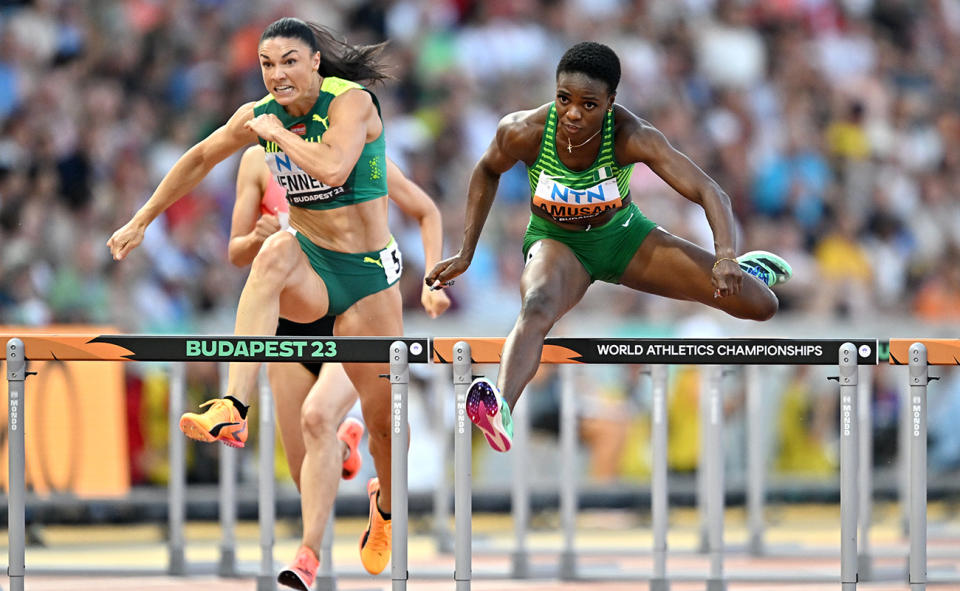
point(126, 239)
point(443, 272)
point(267, 225)
point(266, 126)
point(434, 301)
point(727, 278)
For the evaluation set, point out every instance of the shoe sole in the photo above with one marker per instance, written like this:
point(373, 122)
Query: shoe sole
point(289, 578)
point(764, 269)
point(194, 431)
point(779, 267)
point(481, 408)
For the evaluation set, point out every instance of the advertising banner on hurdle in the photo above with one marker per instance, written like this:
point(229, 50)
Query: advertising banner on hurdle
point(672, 351)
point(107, 347)
point(75, 423)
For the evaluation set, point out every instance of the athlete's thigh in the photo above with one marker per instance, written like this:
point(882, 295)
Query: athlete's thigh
point(290, 382)
point(378, 314)
point(304, 295)
point(553, 271)
point(670, 266)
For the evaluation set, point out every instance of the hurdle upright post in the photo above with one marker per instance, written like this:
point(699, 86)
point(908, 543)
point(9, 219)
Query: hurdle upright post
point(266, 580)
point(568, 475)
point(463, 467)
point(865, 472)
point(441, 493)
point(703, 450)
point(227, 567)
point(177, 487)
point(919, 378)
point(659, 498)
point(756, 461)
point(399, 383)
point(520, 491)
point(16, 464)
point(903, 461)
point(714, 469)
point(326, 579)
point(849, 471)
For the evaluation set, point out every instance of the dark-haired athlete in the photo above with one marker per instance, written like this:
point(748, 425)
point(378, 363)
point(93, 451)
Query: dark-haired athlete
point(580, 150)
point(311, 399)
point(324, 143)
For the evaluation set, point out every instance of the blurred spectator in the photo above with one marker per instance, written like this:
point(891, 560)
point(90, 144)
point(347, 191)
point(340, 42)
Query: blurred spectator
point(938, 299)
point(806, 425)
point(845, 271)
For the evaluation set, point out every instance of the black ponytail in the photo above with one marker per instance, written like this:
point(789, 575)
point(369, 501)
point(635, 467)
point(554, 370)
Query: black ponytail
point(358, 63)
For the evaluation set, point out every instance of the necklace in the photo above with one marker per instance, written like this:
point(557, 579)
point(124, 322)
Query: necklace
point(570, 146)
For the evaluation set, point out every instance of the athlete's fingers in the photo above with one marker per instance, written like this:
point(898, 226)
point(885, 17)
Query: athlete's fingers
point(440, 285)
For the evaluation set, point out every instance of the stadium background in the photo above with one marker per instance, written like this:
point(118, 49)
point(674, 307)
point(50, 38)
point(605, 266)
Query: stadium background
point(833, 126)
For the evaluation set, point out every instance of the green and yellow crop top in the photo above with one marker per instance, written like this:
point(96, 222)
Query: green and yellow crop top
point(568, 195)
point(367, 180)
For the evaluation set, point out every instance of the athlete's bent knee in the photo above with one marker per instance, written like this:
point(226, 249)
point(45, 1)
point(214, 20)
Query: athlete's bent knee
point(276, 255)
point(767, 307)
point(539, 307)
point(318, 420)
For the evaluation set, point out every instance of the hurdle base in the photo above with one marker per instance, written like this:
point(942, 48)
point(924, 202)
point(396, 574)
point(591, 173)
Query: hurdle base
point(266, 583)
point(227, 567)
point(325, 583)
point(445, 542)
point(520, 565)
point(716, 585)
point(178, 562)
point(659, 585)
point(864, 567)
point(568, 566)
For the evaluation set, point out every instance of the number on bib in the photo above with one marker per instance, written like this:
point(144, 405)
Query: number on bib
point(392, 261)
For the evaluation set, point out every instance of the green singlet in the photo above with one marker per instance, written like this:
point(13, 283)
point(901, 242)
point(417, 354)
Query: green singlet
point(367, 180)
point(568, 195)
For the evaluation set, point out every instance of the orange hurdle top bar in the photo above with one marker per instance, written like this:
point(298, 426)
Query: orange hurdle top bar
point(939, 351)
point(672, 351)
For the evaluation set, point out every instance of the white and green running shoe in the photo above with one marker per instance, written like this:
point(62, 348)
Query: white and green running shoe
point(766, 267)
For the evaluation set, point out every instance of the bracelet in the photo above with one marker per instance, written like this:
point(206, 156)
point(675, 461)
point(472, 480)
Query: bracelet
point(717, 262)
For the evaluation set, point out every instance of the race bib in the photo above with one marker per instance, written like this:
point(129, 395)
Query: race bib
point(392, 261)
point(565, 204)
point(301, 187)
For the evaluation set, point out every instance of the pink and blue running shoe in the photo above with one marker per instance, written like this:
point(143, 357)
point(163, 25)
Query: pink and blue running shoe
point(490, 413)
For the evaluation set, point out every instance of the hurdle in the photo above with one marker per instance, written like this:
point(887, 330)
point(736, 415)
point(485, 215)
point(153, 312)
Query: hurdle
point(846, 354)
point(919, 354)
point(397, 351)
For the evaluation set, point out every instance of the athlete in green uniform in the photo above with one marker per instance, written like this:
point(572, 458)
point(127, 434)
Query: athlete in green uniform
point(580, 150)
point(324, 142)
